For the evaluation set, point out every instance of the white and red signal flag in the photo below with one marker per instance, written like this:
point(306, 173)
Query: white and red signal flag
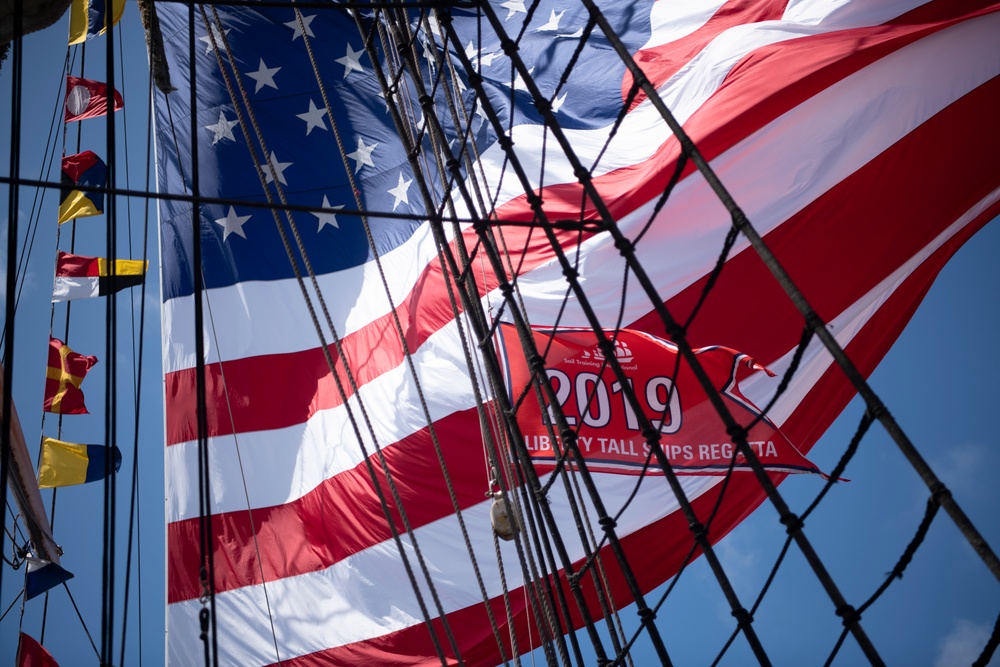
point(88, 99)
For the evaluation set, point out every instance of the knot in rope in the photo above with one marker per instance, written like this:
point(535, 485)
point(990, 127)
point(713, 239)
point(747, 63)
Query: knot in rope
point(698, 530)
point(849, 614)
point(737, 433)
point(509, 46)
point(571, 273)
point(607, 523)
point(939, 492)
point(791, 522)
point(742, 616)
point(543, 105)
point(647, 615)
point(624, 245)
point(676, 332)
point(536, 363)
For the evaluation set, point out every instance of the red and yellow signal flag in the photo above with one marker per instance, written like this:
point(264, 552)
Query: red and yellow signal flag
point(79, 277)
point(63, 377)
point(80, 172)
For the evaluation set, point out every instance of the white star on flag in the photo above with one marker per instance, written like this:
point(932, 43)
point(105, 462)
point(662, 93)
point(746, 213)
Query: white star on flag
point(553, 23)
point(362, 156)
point(486, 59)
point(218, 39)
point(223, 129)
point(327, 218)
point(232, 224)
point(294, 25)
point(399, 192)
point(351, 61)
point(513, 7)
point(264, 76)
point(277, 169)
point(313, 117)
point(573, 35)
point(558, 102)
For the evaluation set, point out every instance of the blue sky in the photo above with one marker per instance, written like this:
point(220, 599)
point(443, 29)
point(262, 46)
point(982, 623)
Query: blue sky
point(940, 381)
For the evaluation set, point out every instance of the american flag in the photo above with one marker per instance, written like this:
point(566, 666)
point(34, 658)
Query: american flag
point(858, 137)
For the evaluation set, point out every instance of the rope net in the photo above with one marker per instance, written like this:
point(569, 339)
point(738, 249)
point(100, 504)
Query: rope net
point(539, 268)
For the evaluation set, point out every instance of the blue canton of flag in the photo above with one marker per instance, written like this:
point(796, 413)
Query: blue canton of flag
point(277, 75)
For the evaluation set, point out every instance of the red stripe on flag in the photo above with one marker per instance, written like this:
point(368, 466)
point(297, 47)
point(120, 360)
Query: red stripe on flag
point(753, 95)
point(730, 317)
point(306, 385)
point(853, 236)
point(659, 63)
point(339, 518)
point(836, 219)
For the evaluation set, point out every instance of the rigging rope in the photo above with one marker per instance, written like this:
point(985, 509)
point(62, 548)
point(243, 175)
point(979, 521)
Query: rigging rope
point(304, 258)
point(483, 326)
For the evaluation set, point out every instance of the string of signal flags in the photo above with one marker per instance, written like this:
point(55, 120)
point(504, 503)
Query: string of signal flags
point(77, 277)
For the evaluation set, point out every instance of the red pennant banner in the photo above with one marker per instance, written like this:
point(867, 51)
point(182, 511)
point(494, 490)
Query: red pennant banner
point(692, 434)
point(87, 99)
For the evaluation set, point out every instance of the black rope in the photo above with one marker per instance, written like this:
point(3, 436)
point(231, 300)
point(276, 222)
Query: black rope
point(137, 374)
point(897, 572)
point(206, 615)
point(37, 202)
point(111, 366)
point(436, 227)
point(498, 270)
point(990, 648)
point(83, 623)
point(377, 484)
point(6, 419)
point(535, 202)
point(850, 370)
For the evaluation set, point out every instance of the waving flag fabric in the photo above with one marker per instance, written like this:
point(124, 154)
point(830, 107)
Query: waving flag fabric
point(858, 137)
point(43, 575)
point(68, 464)
point(694, 438)
point(63, 377)
point(79, 172)
point(89, 18)
point(80, 277)
point(32, 654)
point(88, 99)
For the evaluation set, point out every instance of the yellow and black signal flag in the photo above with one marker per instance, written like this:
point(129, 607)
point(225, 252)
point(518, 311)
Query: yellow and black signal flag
point(79, 172)
point(66, 463)
point(89, 18)
point(63, 377)
point(79, 277)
